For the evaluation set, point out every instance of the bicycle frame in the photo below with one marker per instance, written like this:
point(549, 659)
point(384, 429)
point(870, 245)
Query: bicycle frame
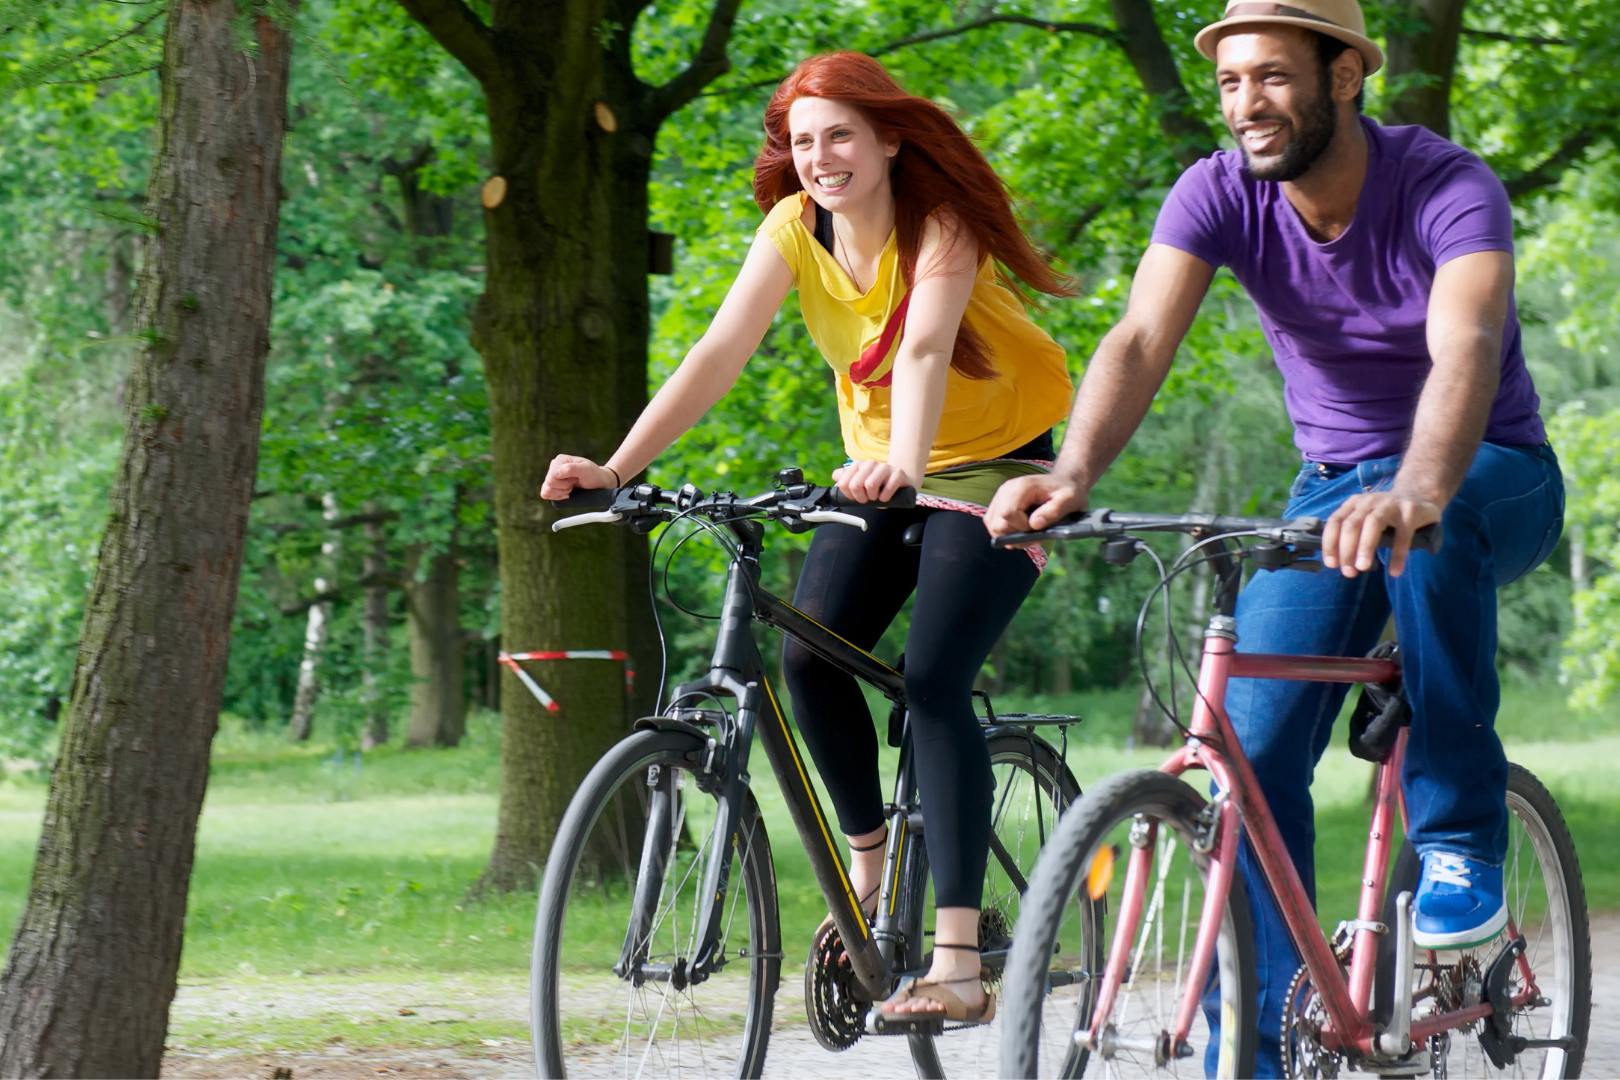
point(1212, 745)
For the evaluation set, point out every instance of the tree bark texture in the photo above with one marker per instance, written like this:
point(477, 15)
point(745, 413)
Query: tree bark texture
point(1422, 64)
point(433, 618)
point(562, 328)
point(373, 566)
point(91, 972)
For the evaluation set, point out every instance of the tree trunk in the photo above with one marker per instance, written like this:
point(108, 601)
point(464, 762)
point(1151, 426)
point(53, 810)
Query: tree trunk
point(562, 328)
point(120, 292)
point(375, 641)
point(316, 625)
point(433, 617)
point(1186, 132)
point(548, 329)
point(92, 969)
point(438, 715)
point(1421, 65)
point(1060, 675)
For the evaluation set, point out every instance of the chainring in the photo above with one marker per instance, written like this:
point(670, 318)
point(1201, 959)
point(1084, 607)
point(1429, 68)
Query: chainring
point(837, 1017)
point(1303, 1015)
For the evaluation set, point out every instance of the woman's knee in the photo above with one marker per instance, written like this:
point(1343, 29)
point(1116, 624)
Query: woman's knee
point(801, 668)
point(933, 688)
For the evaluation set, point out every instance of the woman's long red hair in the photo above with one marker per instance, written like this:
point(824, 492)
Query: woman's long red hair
point(938, 166)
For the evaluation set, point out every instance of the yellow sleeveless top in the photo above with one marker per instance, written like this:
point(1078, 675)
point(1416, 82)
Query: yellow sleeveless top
point(859, 335)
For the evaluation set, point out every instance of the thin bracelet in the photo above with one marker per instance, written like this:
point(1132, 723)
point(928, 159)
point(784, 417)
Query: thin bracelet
point(617, 482)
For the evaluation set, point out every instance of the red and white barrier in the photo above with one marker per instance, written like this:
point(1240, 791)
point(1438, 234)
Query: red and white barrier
point(539, 692)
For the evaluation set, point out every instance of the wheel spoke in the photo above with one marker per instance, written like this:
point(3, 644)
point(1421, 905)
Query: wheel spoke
point(590, 1021)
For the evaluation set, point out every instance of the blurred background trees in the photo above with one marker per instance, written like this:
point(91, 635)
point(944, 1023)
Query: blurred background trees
point(371, 600)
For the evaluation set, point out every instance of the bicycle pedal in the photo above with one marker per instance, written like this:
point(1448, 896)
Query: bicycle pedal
point(1414, 1064)
point(878, 1024)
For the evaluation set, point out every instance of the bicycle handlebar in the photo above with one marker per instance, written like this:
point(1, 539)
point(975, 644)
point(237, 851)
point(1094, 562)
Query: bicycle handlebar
point(1303, 533)
point(797, 505)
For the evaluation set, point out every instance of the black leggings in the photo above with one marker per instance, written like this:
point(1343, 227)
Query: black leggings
point(854, 583)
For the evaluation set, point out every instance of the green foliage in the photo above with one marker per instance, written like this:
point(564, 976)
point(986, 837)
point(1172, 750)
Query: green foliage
point(71, 179)
point(1590, 446)
point(377, 400)
point(376, 403)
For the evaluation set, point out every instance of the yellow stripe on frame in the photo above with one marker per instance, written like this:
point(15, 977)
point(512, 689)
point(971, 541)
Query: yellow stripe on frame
point(826, 833)
point(899, 860)
point(840, 637)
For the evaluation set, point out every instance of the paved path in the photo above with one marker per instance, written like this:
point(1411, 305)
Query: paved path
point(793, 1052)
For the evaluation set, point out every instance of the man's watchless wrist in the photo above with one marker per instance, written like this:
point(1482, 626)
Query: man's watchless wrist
point(1420, 493)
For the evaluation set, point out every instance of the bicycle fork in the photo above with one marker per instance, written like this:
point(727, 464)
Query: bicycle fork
point(665, 824)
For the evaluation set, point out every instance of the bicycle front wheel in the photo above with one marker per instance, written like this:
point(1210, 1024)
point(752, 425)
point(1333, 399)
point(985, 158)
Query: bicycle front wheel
point(1547, 904)
point(1087, 859)
point(613, 989)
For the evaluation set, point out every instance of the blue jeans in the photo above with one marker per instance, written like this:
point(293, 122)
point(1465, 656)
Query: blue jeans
point(1501, 524)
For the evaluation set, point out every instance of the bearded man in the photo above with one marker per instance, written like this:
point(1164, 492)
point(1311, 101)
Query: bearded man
point(1380, 260)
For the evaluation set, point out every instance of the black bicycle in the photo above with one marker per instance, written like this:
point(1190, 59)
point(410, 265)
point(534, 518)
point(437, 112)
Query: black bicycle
point(657, 948)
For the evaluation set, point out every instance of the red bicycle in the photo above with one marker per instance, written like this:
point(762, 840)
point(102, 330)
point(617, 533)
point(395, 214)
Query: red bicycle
point(1182, 937)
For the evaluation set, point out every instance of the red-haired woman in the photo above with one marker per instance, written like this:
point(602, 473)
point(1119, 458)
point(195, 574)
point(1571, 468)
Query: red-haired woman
point(901, 242)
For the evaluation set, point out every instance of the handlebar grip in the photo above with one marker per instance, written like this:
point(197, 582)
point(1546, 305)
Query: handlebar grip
point(1080, 525)
point(585, 500)
point(1429, 538)
point(904, 499)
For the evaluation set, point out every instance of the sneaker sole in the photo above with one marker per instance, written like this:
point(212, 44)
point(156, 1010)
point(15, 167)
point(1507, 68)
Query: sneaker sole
point(1463, 939)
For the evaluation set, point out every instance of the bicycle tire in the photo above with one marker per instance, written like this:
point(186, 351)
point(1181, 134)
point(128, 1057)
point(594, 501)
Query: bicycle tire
point(1547, 902)
point(571, 976)
point(1033, 786)
point(1104, 817)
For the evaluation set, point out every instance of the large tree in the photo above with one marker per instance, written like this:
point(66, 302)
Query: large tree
point(562, 329)
point(91, 973)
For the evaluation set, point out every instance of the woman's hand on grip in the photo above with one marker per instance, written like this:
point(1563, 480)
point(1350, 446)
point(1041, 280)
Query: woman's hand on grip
point(569, 471)
point(871, 481)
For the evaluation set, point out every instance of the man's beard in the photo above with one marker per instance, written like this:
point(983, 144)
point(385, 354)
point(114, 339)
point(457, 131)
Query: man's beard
point(1316, 127)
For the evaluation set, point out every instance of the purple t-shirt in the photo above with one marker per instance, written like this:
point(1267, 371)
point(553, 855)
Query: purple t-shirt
point(1345, 319)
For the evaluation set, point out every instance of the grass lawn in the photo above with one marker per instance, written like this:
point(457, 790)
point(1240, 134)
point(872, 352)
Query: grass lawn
point(327, 901)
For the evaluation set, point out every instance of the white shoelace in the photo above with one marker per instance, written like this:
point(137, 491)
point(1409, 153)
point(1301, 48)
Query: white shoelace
point(1448, 869)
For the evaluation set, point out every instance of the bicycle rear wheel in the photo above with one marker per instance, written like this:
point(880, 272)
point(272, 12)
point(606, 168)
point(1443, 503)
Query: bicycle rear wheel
point(1032, 788)
point(616, 933)
point(1133, 811)
point(1547, 903)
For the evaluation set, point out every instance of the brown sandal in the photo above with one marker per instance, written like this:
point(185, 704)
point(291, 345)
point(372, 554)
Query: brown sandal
point(956, 1010)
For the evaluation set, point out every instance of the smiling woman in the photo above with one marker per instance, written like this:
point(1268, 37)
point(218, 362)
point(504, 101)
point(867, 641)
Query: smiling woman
point(902, 245)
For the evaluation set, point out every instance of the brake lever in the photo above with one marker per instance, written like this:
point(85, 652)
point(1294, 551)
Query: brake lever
point(596, 517)
point(832, 517)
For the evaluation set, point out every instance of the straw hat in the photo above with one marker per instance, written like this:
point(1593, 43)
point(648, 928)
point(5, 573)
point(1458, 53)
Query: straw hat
point(1336, 18)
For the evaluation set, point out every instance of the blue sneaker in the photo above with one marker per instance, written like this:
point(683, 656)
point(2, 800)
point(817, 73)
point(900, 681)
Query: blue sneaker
point(1458, 904)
